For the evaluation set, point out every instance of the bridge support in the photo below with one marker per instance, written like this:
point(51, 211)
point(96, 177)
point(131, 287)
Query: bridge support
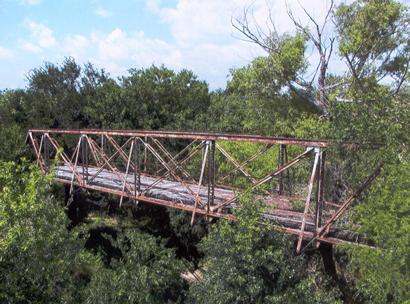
point(46, 151)
point(167, 176)
point(137, 168)
point(211, 175)
point(281, 161)
point(84, 157)
point(320, 192)
point(308, 198)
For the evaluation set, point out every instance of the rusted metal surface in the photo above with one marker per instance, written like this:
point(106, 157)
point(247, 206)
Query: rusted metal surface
point(308, 199)
point(168, 169)
point(191, 135)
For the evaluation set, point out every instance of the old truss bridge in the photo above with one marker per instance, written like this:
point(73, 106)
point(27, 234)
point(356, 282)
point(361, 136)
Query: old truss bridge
point(196, 172)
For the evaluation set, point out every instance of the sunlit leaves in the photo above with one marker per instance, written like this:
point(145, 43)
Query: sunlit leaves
point(40, 260)
point(384, 271)
point(247, 262)
point(374, 37)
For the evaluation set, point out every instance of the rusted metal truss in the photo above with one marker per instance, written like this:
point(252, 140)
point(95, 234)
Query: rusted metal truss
point(183, 170)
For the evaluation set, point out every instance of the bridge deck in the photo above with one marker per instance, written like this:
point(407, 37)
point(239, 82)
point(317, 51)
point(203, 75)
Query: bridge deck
point(166, 190)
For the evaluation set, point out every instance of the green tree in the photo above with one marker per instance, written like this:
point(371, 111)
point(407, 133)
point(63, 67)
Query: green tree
point(55, 96)
point(40, 260)
point(228, 113)
point(383, 272)
point(187, 236)
point(372, 36)
point(158, 98)
point(374, 40)
point(147, 272)
point(247, 262)
point(52, 98)
point(12, 121)
point(106, 108)
point(256, 99)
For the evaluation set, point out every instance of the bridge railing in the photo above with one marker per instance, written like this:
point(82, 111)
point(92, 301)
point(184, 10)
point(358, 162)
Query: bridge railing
point(189, 171)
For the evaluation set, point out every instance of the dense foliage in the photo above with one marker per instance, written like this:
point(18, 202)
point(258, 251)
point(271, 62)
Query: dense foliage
point(51, 253)
point(385, 271)
point(255, 265)
point(40, 260)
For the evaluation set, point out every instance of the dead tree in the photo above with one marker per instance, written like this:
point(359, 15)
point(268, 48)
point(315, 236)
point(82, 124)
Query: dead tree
point(313, 90)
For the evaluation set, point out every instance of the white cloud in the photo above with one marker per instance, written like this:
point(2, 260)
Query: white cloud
point(30, 2)
point(197, 20)
point(203, 37)
point(30, 47)
point(102, 12)
point(75, 46)
point(117, 51)
point(41, 37)
point(153, 5)
point(193, 21)
point(5, 53)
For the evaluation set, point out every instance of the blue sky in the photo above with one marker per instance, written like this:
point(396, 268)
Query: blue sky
point(119, 35)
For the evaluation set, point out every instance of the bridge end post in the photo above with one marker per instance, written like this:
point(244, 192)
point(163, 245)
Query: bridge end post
point(281, 160)
point(288, 175)
point(312, 179)
point(46, 151)
point(137, 169)
point(84, 158)
point(320, 193)
point(145, 154)
point(211, 175)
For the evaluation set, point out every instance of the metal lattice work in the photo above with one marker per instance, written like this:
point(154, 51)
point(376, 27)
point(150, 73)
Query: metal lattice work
point(183, 170)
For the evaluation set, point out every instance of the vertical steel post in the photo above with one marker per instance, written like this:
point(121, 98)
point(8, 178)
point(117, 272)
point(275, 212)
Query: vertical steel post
point(308, 198)
point(279, 188)
point(205, 147)
point(319, 192)
point(46, 152)
point(126, 171)
point(288, 178)
point(201, 175)
point(102, 143)
point(211, 175)
point(145, 154)
point(84, 158)
point(77, 153)
point(137, 172)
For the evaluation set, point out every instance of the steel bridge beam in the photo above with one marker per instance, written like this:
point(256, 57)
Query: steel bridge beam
point(138, 166)
point(192, 135)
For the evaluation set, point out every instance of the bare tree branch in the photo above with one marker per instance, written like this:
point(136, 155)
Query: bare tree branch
point(266, 39)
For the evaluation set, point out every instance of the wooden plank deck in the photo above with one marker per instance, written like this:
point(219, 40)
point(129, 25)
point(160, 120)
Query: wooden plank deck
point(279, 206)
